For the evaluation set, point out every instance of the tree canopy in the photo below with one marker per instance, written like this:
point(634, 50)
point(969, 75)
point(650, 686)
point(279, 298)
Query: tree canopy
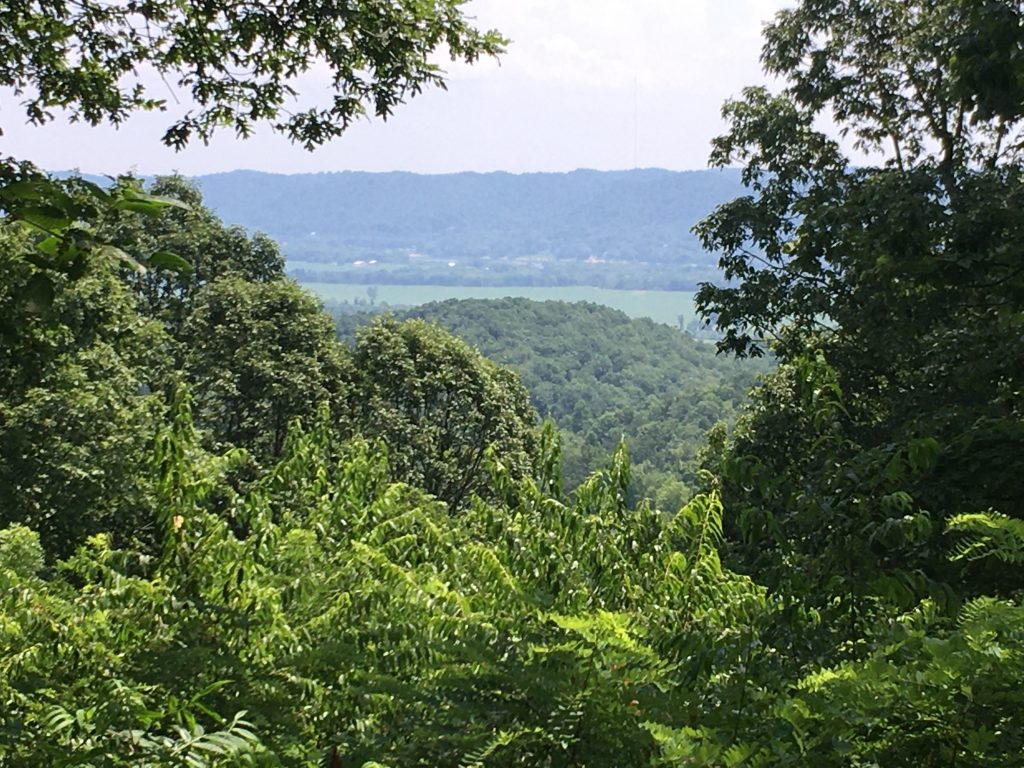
point(601, 377)
point(889, 283)
point(236, 66)
point(441, 408)
point(192, 232)
point(257, 356)
point(823, 231)
point(74, 418)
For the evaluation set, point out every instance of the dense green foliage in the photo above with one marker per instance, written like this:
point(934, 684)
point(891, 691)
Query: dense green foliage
point(73, 424)
point(359, 616)
point(59, 223)
point(893, 293)
point(400, 578)
point(440, 408)
point(602, 377)
point(259, 355)
point(87, 376)
point(198, 237)
point(497, 228)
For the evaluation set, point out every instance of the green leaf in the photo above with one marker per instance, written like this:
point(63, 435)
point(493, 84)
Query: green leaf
point(163, 200)
point(923, 453)
point(116, 253)
point(37, 190)
point(169, 261)
point(139, 206)
point(50, 246)
point(149, 205)
point(47, 218)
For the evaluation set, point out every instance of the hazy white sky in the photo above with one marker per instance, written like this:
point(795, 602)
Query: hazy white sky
point(605, 84)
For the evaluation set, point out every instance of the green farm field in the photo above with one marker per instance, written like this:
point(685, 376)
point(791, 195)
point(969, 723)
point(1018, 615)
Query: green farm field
point(660, 306)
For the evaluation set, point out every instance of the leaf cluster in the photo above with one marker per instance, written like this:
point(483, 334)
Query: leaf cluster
point(235, 65)
point(357, 616)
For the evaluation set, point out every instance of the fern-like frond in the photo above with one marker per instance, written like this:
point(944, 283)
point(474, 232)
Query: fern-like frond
point(988, 534)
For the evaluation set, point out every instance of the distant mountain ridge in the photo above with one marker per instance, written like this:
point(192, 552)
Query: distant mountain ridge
point(514, 226)
point(399, 210)
point(610, 229)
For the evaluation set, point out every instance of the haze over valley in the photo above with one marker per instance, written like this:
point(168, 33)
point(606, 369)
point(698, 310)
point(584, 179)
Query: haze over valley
point(624, 229)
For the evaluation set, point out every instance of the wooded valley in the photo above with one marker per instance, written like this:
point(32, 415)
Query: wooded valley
point(602, 377)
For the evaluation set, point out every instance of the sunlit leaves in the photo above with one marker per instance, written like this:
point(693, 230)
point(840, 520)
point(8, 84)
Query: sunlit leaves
point(988, 534)
point(346, 613)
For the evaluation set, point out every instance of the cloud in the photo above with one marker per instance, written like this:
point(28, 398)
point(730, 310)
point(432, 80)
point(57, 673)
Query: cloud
point(597, 44)
point(585, 83)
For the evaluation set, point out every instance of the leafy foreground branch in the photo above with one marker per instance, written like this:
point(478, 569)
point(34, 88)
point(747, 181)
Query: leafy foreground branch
point(328, 611)
point(327, 608)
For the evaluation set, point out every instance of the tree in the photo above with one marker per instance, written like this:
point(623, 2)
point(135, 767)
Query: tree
point(531, 631)
point(256, 349)
point(75, 417)
point(194, 233)
point(86, 362)
point(237, 64)
point(890, 277)
point(601, 376)
point(440, 407)
point(259, 355)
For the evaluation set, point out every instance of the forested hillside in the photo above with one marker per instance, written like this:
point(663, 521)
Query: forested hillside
point(227, 538)
point(601, 377)
point(496, 228)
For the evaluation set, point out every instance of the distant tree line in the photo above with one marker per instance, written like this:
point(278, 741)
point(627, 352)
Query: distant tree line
point(483, 272)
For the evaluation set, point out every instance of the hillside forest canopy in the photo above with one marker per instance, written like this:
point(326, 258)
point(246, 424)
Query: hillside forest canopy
point(230, 536)
point(602, 377)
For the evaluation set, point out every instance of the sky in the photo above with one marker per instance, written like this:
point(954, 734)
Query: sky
point(602, 84)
